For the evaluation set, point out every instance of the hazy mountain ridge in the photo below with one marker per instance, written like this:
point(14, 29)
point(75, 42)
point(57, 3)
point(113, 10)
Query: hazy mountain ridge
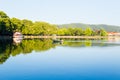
point(108, 28)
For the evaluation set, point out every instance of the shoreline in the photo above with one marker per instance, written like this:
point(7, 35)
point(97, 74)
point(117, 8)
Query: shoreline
point(79, 37)
point(65, 37)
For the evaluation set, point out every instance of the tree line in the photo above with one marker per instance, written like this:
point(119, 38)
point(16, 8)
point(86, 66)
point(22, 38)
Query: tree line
point(27, 27)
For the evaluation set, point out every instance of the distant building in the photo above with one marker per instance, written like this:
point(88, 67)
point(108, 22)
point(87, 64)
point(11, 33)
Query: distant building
point(113, 33)
point(17, 35)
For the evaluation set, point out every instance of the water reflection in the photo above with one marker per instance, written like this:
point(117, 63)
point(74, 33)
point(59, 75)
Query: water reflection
point(17, 40)
point(5, 49)
point(12, 47)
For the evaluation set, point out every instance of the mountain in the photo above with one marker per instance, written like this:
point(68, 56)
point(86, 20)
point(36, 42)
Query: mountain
point(108, 28)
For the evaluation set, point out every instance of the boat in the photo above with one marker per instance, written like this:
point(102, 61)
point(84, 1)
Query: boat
point(58, 41)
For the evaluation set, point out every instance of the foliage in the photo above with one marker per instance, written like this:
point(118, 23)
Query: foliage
point(5, 24)
point(103, 32)
point(9, 26)
point(42, 28)
point(3, 15)
point(80, 32)
point(88, 32)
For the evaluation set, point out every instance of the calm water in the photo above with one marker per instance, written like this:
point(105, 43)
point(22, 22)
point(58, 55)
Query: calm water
point(41, 59)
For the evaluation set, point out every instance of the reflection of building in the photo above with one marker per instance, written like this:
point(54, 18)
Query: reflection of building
point(113, 39)
point(17, 40)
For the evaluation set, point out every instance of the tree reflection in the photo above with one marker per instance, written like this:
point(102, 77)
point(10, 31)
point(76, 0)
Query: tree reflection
point(9, 47)
point(27, 46)
point(89, 43)
point(5, 49)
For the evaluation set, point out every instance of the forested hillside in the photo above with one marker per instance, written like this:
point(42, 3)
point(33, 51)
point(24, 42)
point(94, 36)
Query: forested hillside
point(108, 28)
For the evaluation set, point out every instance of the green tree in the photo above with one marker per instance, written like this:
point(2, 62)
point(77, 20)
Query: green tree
point(103, 32)
point(43, 28)
point(88, 31)
point(26, 26)
point(17, 24)
point(78, 31)
point(62, 31)
point(3, 15)
point(5, 24)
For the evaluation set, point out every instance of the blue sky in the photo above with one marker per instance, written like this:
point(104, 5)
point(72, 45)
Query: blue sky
point(64, 11)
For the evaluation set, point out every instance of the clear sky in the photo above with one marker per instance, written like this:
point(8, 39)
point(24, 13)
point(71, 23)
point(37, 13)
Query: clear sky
point(64, 11)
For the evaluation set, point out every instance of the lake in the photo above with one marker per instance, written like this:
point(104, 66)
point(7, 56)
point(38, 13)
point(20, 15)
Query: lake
point(43, 59)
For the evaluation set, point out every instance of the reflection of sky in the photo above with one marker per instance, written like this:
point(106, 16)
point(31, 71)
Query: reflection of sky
point(66, 63)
